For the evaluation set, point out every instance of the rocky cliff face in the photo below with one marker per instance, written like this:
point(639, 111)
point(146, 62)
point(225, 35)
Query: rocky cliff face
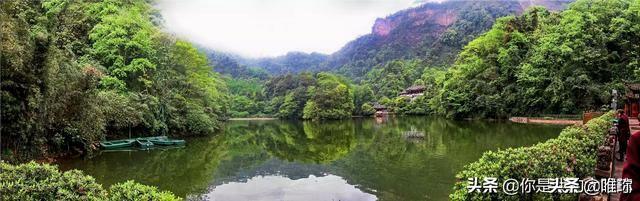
point(417, 17)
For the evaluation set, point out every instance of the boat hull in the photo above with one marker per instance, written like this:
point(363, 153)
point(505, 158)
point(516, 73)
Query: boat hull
point(142, 142)
point(168, 142)
point(117, 144)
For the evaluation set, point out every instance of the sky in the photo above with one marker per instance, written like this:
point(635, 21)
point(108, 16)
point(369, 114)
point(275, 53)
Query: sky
point(261, 188)
point(266, 28)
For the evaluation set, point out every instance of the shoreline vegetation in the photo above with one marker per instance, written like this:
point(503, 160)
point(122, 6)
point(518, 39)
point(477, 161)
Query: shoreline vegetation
point(572, 154)
point(33, 181)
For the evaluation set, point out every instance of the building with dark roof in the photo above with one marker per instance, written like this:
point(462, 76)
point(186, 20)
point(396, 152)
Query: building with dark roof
point(632, 99)
point(413, 91)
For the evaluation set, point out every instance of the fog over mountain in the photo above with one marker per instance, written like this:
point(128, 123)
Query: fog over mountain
point(434, 32)
point(257, 28)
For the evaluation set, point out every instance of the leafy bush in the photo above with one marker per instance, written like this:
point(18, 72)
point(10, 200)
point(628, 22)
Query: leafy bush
point(33, 181)
point(572, 154)
point(134, 191)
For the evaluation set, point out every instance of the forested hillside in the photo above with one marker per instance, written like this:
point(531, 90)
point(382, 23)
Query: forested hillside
point(537, 62)
point(544, 62)
point(292, 62)
point(540, 62)
point(233, 65)
point(75, 72)
point(433, 32)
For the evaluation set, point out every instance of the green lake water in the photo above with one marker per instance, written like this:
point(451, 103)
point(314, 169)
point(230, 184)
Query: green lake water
point(358, 159)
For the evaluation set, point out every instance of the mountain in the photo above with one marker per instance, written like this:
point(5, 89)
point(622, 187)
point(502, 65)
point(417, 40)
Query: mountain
point(233, 65)
point(292, 62)
point(433, 32)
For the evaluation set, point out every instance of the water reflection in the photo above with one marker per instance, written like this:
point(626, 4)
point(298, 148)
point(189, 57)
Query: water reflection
point(312, 142)
point(264, 188)
point(357, 159)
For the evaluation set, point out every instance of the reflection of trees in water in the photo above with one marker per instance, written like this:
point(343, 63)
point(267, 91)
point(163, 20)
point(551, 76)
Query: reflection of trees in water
point(181, 171)
point(314, 142)
point(399, 170)
point(378, 157)
point(369, 155)
point(294, 144)
point(386, 163)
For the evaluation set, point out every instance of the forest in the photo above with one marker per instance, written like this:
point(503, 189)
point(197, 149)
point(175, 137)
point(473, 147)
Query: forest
point(540, 62)
point(76, 72)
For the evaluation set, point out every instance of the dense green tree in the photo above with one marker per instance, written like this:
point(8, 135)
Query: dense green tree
point(330, 99)
point(195, 92)
point(281, 85)
point(293, 104)
point(362, 94)
point(390, 79)
point(247, 97)
point(123, 43)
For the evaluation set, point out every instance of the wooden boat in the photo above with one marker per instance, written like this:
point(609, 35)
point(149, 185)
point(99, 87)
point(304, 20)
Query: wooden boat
point(114, 144)
point(144, 143)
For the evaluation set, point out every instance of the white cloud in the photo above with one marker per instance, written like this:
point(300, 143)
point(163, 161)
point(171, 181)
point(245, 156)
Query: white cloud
point(313, 188)
point(260, 28)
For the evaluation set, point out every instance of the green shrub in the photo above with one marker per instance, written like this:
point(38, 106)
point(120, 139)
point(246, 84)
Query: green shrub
point(572, 154)
point(133, 191)
point(33, 181)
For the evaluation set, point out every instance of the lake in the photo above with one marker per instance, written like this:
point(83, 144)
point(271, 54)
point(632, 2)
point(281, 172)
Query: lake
point(394, 158)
